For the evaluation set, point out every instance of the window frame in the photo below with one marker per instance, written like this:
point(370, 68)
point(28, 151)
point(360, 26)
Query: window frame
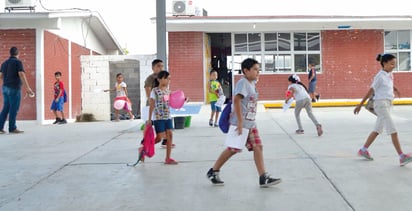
point(399, 50)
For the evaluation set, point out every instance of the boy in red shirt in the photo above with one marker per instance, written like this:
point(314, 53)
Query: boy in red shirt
point(58, 100)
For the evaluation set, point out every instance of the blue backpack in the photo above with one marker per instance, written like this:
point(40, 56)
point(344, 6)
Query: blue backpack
point(225, 117)
point(64, 96)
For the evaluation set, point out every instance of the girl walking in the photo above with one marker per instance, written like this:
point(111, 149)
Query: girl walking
point(120, 88)
point(383, 90)
point(303, 100)
point(158, 103)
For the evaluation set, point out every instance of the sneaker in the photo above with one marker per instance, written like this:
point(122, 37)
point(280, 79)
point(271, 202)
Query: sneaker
point(170, 161)
point(317, 97)
point(210, 122)
point(365, 154)
point(213, 176)
point(57, 121)
point(313, 100)
point(319, 129)
point(407, 158)
point(298, 131)
point(16, 131)
point(2, 132)
point(215, 125)
point(61, 122)
point(266, 180)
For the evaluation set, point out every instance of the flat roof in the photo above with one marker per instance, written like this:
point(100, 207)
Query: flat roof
point(285, 23)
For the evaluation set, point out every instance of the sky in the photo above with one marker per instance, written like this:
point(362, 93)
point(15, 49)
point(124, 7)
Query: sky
point(129, 20)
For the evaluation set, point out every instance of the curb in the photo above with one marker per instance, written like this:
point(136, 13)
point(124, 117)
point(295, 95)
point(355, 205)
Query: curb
point(331, 103)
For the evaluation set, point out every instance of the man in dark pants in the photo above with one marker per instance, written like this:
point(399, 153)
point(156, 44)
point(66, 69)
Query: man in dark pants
point(13, 76)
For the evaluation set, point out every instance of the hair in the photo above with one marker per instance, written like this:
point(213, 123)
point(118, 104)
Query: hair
point(162, 74)
point(294, 80)
point(14, 51)
point(156, 61)
point(384, 58)
point(57, 73)
point(248, 64)
point(212, 71)
point(118, 74)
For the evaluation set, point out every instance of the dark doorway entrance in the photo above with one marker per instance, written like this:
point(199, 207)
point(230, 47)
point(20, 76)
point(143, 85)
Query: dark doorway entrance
point(221, 48)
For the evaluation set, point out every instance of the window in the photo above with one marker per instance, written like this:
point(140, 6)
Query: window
point(398, 44)
point(280, 52)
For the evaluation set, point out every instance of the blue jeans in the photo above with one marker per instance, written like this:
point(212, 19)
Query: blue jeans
point(11, 104)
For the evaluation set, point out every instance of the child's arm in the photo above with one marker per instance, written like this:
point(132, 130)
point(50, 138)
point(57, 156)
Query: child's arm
point(396, 91)
point(151, 108)
point(367, 96)
point(292, 94)
point(125, 91)
point(238, 112)
point(110, 90)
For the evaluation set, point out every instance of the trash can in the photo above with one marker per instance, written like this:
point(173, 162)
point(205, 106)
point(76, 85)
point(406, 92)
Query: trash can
point(179, 122)
point(188, 119)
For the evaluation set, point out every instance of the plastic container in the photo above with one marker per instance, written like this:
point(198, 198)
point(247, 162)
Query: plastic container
point(188, 119)
point(179, 122)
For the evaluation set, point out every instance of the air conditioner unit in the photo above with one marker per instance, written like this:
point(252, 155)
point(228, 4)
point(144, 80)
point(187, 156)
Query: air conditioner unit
point(20, 4)
point(183, 8)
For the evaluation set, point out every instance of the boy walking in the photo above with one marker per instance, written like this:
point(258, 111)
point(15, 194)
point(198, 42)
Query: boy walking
point(58, 100)
point(215, 91)
point(243, 120)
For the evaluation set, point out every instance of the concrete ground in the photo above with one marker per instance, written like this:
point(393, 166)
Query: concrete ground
point(82, 166)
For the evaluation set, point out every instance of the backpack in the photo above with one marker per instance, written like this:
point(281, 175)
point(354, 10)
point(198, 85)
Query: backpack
point(149, 141)
point(225, 117)
point(64, 96)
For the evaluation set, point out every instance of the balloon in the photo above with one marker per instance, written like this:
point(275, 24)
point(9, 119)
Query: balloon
point(119, 104)
point(177, 99)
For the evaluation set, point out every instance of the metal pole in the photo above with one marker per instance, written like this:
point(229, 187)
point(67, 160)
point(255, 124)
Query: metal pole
point(161, 31)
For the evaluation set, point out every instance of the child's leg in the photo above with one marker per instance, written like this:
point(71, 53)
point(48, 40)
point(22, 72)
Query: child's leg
point(55, 114)
point(298, 109)
point(160, 136)
point(258, 157)
point(308, 108)
point(216, 117)
point(224, 156)
point(396, 144)
point(372, 136)
point(169, 137)
point(62, 114)
point(116, 114)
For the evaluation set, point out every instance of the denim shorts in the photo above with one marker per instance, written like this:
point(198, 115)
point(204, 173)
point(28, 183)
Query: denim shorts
point(312, 87)
point(57, 106)
point(214, 107)
point(163, 125)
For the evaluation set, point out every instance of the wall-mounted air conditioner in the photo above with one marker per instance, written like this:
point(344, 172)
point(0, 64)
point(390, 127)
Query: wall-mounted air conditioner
point(15, 4)
point(183, 8)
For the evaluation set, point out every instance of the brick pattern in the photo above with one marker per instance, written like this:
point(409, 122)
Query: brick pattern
point(186, 64)
point(25, 41)
point(348, 66)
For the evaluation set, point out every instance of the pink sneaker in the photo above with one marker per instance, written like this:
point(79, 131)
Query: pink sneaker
point(365, 154)
point(298, 131)
point(407, 158)
point(170, 161)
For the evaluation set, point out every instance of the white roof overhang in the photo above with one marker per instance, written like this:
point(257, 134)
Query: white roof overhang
point(286, 23)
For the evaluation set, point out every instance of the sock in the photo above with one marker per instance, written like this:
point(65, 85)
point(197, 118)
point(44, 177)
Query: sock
point(363, 149)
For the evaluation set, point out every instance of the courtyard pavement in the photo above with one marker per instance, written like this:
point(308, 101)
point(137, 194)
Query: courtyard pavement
point(82, 166)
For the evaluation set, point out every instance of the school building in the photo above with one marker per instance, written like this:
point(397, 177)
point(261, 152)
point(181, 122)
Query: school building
point(56, 41)
point(344, 49)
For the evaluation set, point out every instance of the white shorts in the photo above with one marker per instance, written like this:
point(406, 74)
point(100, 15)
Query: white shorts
point(382, 109)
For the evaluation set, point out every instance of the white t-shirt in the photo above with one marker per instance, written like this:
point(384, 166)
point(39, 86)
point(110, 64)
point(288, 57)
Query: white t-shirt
point(383, 86)
point(119, 89)
point(300, 92)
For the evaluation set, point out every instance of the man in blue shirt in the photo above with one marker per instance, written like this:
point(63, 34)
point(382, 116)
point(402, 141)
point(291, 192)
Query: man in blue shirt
point(13, 76)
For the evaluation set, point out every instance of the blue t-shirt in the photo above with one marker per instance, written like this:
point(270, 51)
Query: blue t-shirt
point(10, 70)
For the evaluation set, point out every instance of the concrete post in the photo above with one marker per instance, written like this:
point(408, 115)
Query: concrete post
point(161, 31)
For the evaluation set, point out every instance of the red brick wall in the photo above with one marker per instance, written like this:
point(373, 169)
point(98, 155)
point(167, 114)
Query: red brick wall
point(25, 41)
point(77, 52)
point(56, 59)
point(348, 66)
point(186, 63)
point(349, 62)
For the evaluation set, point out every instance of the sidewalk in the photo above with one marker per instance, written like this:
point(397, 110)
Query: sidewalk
point(82, 166)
